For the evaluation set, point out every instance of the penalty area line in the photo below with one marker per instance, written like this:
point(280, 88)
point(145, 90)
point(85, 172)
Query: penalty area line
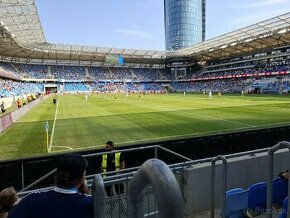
point(53, 126)
point(226, 120)
point(75, 149)
point(66, 148)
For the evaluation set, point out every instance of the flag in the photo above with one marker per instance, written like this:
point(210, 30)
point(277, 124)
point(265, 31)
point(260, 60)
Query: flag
point(46, 126)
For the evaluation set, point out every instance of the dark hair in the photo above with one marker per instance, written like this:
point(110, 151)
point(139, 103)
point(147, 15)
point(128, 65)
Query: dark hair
point(8, 197)
point(70, 170)
point(111, 143)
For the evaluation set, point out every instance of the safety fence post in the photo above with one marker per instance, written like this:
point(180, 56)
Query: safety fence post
point(98, 192)
point(156, 173)
point(271, 152)
point(224, 186)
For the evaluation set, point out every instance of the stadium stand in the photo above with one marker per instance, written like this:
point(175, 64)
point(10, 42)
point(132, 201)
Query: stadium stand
point(256, 79)
point(267, 74)
point(237, 62)
point(68, 73)
point(99, 73)
point(15, 88)
point(7, 71)
point(31, 71)
point(75, 87)
point(252, 196)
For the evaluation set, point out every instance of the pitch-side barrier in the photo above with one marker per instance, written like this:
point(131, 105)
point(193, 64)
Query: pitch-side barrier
point(10, 118)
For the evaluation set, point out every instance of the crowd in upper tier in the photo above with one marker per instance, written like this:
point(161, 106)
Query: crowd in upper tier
point(230, 77)
point(30, 71)
point(276, 66)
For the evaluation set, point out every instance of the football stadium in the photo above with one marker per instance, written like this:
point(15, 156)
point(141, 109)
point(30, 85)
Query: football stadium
point(192, 130)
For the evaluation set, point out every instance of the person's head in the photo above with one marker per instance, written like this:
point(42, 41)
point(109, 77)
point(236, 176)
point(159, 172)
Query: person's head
point(109, 146)
point(71, 171)
point(8, 197)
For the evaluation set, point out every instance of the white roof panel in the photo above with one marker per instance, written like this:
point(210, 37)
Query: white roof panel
point(19, 20)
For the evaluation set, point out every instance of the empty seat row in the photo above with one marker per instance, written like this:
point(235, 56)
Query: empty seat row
point(254, 199)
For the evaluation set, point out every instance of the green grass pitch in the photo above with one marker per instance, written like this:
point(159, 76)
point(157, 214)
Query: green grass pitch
point(81, 125)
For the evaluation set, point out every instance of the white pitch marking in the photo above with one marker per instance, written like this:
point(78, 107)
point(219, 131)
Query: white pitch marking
point(53, 126)
point(66, 147)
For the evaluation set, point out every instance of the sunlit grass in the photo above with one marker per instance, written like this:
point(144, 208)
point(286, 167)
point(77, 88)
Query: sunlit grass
point(81, 125)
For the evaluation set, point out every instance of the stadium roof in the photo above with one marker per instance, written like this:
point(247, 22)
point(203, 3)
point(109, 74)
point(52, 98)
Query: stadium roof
point(22, 39)
point(271, 33)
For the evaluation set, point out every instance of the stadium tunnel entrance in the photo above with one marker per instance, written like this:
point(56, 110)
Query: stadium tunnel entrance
point(179, 67)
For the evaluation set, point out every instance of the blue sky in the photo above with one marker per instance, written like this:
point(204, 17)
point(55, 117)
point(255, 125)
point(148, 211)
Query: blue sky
point(140, 23)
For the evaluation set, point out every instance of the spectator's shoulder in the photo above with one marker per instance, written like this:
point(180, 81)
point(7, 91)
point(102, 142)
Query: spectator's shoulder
point(85, 202)
point(36, 195)
point(87, 198)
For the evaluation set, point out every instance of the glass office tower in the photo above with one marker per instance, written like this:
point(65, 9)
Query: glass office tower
point(184, 23)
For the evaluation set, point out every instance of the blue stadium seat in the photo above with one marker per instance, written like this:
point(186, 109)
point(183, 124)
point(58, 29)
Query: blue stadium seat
point(284, 209)
point(280, 190)
point(237, 201)
point(257, 200)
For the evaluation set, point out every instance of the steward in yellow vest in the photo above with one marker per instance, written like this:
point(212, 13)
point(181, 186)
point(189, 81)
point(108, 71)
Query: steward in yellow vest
point(116, 162)
point(112, 162)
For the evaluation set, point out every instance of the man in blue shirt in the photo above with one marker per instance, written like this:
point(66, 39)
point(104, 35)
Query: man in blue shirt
point(67, 199)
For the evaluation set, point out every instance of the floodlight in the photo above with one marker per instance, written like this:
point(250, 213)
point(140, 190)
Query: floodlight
point(282, 31)
point(249, 40)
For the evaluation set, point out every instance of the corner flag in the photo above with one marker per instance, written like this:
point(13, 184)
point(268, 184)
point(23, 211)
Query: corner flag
point(46, 126)
point(46, 130)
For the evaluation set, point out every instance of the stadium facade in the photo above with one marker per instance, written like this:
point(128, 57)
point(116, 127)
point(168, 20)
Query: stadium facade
point(255, 58)
point(22, 40)
point(184, 23)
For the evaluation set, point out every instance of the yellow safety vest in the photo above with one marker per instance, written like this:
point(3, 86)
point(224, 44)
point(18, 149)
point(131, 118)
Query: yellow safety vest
point(117, 161)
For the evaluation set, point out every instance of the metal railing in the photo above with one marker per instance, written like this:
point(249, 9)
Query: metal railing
point(129, 172)
point(169, 198)
point(223, 188)
point(116, 206)
point(271, 152)
point(98, 197)
point(123, 171)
